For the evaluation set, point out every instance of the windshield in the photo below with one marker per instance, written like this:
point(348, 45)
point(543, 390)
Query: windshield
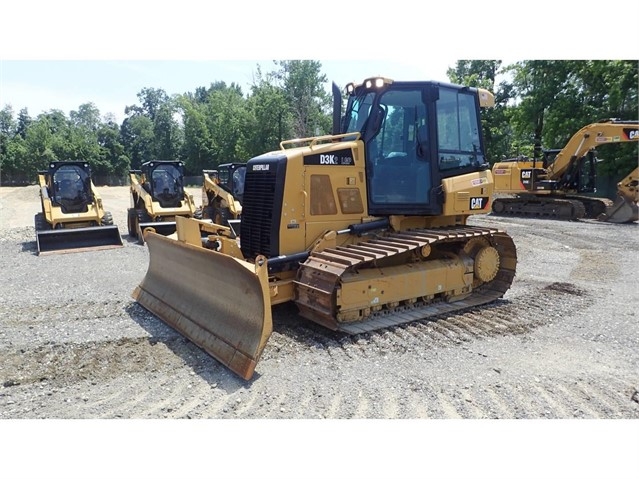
point(166, 181)
point(238, 181)
point(458, 130)
point(398, 153)
point(357, 112)
point(71, 185)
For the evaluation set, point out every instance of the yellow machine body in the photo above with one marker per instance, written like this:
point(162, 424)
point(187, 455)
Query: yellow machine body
point(72, 216)
point(157, 198)
point(555, 186)
point(359, 230)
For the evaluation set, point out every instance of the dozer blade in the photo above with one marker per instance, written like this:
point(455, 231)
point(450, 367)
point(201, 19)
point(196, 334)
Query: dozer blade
point(72, 240)
point(622, 211)
point(164, 228)
point(220, 303)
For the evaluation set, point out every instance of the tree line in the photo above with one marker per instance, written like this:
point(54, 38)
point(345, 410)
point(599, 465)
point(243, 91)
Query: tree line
point(539, 104)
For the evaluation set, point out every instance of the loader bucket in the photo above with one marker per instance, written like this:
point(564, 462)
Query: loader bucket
point(622, 211)
point(71, 240)
point(220, 303)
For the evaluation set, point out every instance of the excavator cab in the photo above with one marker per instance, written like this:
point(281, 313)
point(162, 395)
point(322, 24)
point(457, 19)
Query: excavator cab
point(581, 176)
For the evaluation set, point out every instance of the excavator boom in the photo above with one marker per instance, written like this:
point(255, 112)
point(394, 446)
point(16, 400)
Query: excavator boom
point(556, 186)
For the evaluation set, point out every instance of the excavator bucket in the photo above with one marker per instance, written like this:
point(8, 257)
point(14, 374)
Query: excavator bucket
point(220, 303)
point(622, 211)
point(71, 240)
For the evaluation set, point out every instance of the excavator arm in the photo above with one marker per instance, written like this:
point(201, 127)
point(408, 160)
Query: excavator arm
point(589, 137)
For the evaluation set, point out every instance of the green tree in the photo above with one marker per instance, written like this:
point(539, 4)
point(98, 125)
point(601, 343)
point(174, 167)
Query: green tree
point(197, 146)
point(151, 131)
point(495, 121)
point(24, 120)
point(557, 98)
point(113, 160)
point(269, 119)
point(138, 139)
point(225, 116)
point(537, 85)
point(167, 132)
point(87, 117)
point(309, 103)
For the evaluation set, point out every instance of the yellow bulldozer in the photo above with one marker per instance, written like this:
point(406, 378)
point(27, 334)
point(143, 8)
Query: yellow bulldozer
point(222, 191)
point(157, 198)
point(555, 186)
point(365, 228)
point(72, 217)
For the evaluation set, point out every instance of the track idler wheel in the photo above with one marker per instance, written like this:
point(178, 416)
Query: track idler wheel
point(486, 264)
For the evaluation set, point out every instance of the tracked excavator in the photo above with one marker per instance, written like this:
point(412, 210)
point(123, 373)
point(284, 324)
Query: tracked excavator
point(157, 198)
point(222, 191)
point(554, 187)
point(363, 229)
point(72, 218)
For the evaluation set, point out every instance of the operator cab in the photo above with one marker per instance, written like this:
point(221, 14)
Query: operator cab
point(164, 180)
point(230, 176)
point(70, 186)
point(580, 176)
point(415, 134)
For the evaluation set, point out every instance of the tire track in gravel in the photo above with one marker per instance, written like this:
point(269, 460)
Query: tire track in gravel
point(548, 402)
point(94, 360)
point(502, 318)
point(135, 357)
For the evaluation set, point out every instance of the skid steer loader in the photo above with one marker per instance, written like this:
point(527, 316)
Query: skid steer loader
point(157, 198)
point(72, 218)
point(365, 228)
point(222, 191)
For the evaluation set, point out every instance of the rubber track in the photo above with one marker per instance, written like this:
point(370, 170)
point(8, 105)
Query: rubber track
point(331, 264)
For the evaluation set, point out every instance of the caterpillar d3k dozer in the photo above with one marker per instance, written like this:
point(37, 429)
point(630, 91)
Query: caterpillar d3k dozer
point(73, 218)
point(157, 198)
point(363, 229)
point(222, 192)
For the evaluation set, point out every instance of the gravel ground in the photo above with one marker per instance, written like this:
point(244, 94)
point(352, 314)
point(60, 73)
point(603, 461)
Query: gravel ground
point(561, 344)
